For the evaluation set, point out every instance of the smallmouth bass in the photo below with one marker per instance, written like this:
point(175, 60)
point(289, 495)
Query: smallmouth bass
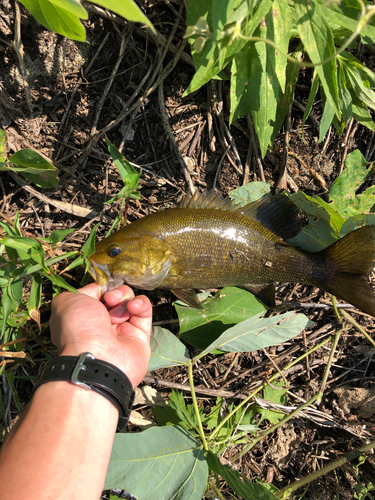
point(210, 242)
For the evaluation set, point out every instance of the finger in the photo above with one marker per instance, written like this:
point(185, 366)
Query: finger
point(120, 294)
point(92, 290)
point(140, 310)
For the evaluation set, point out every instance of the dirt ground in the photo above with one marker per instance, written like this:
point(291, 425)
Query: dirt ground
point(126, 84)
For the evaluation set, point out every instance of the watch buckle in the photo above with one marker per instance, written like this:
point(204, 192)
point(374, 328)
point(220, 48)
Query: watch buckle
point(80, 365)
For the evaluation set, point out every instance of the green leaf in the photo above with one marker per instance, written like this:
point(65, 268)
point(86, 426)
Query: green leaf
point(240, 484)
point(7, 302)
point(221, 13)
point(35, 297)
point(255, 86)
point(362, 115)
point(162, 463)
point(59, 235)
point(346, 14)
point(127, 9)
point(201, 327)
point(326, 120)
point(166, 349)
point(355, 222)
point(215, 56)
point(34, 167)
point(324, 223)
point(311, 99)
point(58, 280)
point(285, 98)
point(3, 138)
point(60, 16)
point(256, 333)
point(88, 247)
point(177, 412)
point(343, 190)
point(317, 38)
point(274, 396)
point(250, 192)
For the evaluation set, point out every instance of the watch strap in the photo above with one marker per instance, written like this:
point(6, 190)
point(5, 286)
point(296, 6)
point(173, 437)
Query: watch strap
point(93, 374)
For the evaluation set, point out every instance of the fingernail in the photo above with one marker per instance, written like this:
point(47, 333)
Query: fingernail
point(119, 311)
point(116, 294)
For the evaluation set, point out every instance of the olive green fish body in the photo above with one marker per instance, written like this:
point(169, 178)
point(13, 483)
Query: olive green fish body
point(217, 244)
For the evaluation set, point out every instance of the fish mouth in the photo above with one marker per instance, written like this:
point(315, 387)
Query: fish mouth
point(103, 277)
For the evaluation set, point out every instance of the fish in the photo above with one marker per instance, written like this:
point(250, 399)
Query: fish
point(209, 241)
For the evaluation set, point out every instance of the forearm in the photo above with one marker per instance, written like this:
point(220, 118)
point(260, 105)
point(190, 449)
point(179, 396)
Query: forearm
point(61, 448)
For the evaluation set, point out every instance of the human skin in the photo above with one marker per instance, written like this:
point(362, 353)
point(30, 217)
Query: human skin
point(61, 445)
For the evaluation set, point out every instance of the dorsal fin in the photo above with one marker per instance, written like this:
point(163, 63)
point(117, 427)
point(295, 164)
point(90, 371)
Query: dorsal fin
point(207, 200)
point(277, 213)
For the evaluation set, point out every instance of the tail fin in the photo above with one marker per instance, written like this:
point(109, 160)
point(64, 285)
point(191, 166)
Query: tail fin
point(352, 259)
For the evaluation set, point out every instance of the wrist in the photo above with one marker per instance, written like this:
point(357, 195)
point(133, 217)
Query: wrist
point(95, 375)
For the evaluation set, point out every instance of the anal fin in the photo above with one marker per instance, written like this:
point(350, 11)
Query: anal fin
point(264, 292)
point(189, 297)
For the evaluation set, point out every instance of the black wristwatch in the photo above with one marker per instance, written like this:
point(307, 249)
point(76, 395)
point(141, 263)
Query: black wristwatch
point(91, 373)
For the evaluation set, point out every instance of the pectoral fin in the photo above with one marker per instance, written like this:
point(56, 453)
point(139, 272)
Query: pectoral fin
point(189, 297)
point(192, 266)
point(265, 293)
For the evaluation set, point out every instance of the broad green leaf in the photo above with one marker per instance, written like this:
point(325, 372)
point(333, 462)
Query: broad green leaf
point(127, 9)
point(88, 247)
point(3, 137)
point(250, 192)
point(122, 164)
point(28, 249)
point(163, 463)
point(25, 270)
point(362, 115)
point(60, 16)
point(59, 235)
point(221, 13)
point(201, 327)
point(177, 412)
point(79, 261)
point(285, 98)
point(256, 77)
point(58, 280)
point(275, 394)
point(240, 484)
point(343, 190)
point(34, 167)
point(356, 79)
point(324, 223)
point(257, 332)
point(214, 57)
point(317, 38)
point(346, 14)
point(166, 349)
point(355, 222)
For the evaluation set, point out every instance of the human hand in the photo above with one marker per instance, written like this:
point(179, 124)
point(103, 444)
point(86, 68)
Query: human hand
point(118, 332)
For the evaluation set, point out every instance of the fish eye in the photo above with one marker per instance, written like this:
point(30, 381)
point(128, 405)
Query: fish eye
point(113, 251)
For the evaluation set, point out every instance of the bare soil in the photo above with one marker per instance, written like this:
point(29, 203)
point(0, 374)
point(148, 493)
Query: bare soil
point(66, 119)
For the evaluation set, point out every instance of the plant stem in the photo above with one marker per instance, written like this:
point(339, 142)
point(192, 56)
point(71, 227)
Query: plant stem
point(328, 366)
point(285, 492)
point(195, 404)
point(275, 376)
point(274, 427)
point(353, 322)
